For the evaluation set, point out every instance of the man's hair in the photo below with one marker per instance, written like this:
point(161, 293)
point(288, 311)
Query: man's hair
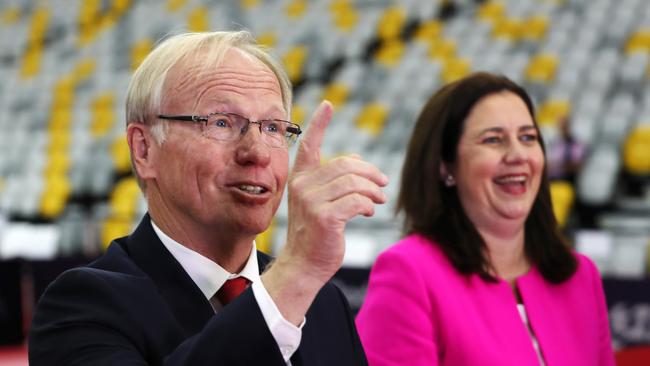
point(434, 210)
point(145, 92)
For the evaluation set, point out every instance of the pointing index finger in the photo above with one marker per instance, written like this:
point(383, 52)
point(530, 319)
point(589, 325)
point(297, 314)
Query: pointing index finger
point(308, 155)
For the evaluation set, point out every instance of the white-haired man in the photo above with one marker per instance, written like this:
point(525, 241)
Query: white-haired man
point(208, 129)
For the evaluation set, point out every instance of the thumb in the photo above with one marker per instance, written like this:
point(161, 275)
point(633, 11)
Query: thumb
point(308, 155)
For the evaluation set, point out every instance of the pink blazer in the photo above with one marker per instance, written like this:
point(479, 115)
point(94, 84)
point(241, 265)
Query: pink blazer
point(420, 311)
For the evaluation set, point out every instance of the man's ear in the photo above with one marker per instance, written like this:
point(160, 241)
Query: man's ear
point(141, 145)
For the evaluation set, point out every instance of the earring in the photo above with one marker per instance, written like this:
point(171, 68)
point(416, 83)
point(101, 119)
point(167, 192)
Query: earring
point(450, 181)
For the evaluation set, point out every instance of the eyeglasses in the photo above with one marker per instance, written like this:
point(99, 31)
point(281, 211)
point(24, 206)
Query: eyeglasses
point(230, 126)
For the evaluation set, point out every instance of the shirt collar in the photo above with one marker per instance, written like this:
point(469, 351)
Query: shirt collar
point(206, 274)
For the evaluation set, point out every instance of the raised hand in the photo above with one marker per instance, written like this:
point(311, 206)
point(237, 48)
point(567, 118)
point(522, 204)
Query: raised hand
point(322, 198)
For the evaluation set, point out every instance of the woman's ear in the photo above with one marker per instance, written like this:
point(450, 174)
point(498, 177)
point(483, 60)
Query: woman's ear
point(445, 175)
point(141, 144)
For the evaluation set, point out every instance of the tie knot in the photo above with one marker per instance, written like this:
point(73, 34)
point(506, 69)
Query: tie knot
point(231, 289)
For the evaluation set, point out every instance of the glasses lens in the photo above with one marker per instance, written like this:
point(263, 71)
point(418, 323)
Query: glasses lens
point(230, 126)
point(278, 133)
point(223, 126)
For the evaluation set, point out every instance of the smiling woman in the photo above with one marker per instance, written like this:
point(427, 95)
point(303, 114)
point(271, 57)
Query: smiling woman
point(483, 276)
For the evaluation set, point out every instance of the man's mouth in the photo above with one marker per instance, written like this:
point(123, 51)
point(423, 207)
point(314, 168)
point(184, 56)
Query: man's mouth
point(251, 189)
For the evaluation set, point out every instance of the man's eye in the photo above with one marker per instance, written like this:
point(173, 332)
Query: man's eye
point(221, 122)
point(273, 127)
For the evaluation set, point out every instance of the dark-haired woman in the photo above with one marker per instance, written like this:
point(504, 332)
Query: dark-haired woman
point(483, 276)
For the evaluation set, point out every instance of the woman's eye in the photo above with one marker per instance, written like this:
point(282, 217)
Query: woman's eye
point(492, 140)
point(529, 138)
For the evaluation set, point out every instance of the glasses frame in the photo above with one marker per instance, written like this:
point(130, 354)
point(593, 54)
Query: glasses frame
point(292, 128)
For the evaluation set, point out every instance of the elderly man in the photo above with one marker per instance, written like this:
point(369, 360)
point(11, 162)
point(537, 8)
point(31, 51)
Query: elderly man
point(209, 135)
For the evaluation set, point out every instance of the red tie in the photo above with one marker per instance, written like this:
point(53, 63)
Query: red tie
point(231, 289)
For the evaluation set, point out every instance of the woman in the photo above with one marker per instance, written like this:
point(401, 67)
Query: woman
point(483, 276)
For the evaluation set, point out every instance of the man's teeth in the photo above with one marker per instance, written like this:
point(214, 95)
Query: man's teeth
point(512, 179)
point(252, 189)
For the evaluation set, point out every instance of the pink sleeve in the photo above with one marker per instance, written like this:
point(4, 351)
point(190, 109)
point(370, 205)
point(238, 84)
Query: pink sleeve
point(396, 321)
point(606, 354)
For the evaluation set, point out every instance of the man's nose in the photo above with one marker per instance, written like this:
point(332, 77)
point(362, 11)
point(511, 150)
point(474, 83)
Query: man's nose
point(252, 149)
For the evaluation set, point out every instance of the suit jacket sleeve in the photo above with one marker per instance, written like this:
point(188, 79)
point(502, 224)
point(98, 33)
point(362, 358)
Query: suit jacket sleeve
point(84, 318)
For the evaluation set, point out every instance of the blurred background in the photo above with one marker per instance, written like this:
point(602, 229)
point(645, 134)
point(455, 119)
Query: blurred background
point(66, 188)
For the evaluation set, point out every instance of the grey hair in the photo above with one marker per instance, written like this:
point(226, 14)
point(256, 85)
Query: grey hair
point(145, 91)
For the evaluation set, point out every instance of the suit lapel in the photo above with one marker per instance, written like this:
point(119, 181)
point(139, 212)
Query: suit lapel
point(184, 298)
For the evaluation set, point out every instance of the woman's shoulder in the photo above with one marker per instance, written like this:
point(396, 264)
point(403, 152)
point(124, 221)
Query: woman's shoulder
point(586, 269)
point(414, 249)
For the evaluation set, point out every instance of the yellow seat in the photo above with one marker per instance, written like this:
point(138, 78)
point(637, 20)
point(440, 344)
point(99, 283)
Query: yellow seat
point(508, 28)
point(11, 15)
point(31, 60)
point(491, 11)
point(113, 228)
point(294, 61)
point(249, 4)
point(55, 195)
point(139, 51)
point(267, 39)
point(390, 53)
point(391, 23)
point(124, 198)
point(174, 5)
point(639, 41)
point(534, 28)
point(345, 21)
point(337, 93)
point(197, 20)
point(552, 111)
point(58, 163)
point(636, 151)
point(542, 68)
point(121, 154)
point(562, 197)
point(59, 140)
point(429, 32)
point(83, 70)
point(89, 12)
point(372, 118)
point(454, 69)
point(297, 114)
point(296, 8)
point(103, 113)
point(443, 50)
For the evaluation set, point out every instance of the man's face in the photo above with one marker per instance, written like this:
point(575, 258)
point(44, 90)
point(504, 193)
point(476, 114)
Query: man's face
point(226, 187)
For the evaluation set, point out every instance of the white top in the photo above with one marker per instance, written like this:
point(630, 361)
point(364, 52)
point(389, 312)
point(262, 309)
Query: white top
point(209, 277)
point(524, 318)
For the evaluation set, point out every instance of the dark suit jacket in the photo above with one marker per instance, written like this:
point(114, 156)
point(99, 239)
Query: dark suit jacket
point(137, 306)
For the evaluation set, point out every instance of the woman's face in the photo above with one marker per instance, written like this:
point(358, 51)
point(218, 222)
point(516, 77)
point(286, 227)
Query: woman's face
point(499, 161)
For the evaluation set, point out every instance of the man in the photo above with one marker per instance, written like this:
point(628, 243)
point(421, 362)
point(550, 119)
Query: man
point(209, 143)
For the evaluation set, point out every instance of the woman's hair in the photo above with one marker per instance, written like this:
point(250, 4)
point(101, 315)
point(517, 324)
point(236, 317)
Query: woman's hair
point(434, 210)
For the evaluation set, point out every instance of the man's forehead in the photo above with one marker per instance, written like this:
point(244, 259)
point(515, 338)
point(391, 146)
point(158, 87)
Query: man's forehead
point(238, 73)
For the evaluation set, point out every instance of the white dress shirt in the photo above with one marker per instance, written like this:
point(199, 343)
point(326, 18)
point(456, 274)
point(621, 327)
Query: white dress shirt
point(209, 277)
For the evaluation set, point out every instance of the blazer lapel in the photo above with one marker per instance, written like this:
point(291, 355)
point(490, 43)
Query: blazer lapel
point(184, 298)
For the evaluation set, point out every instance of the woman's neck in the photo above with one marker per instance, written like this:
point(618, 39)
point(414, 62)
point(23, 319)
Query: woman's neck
point(506, 253)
